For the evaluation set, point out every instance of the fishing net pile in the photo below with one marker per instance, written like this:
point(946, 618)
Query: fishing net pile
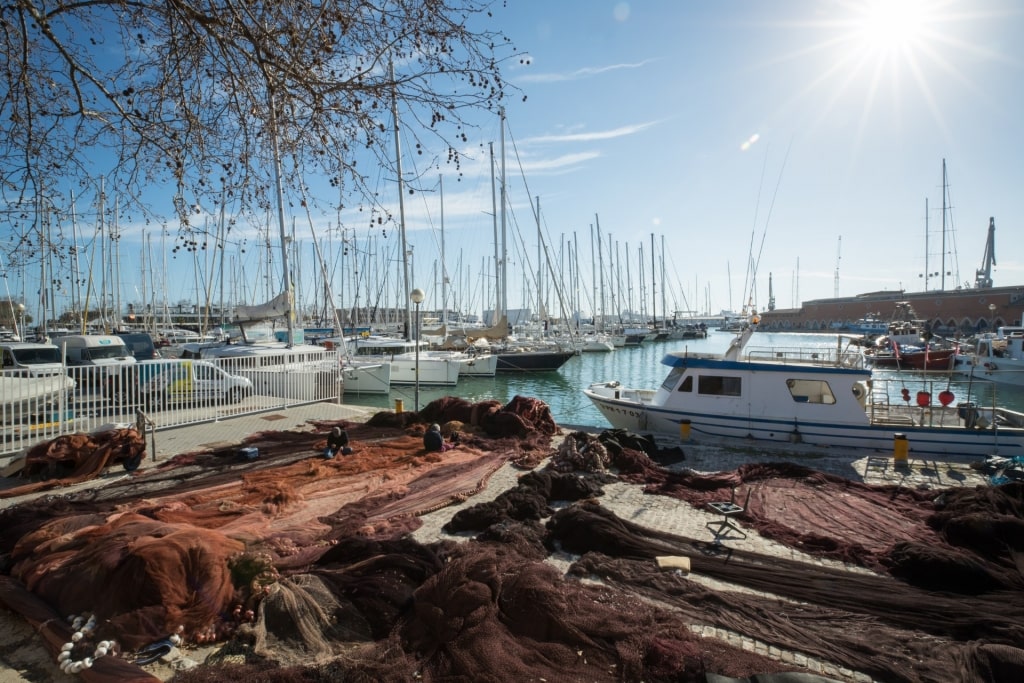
point(74, 458)
point(306, 566)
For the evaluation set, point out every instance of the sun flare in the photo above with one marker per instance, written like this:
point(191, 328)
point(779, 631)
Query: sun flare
point(892, 25)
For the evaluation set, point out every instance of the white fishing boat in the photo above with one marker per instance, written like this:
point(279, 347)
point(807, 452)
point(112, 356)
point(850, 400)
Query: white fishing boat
point(818, 397)
point(1000, 357)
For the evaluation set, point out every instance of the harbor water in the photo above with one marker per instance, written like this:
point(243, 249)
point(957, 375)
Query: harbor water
point(641, 367)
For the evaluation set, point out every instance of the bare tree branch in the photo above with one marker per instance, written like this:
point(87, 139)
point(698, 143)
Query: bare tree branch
point(178, 92)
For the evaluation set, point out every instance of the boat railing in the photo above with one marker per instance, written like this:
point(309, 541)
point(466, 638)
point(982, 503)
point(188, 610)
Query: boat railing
point(825, 357)
point(930, 403)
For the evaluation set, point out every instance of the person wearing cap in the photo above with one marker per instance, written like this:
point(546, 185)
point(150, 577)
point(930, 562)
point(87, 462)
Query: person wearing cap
point(433, 440)
point(337, 441)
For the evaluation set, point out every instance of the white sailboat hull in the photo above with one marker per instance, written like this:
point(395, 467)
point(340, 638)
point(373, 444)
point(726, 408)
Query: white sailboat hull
point(366, 378)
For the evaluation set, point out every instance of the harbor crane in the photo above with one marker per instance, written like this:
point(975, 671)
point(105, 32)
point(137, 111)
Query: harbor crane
point(983, 276)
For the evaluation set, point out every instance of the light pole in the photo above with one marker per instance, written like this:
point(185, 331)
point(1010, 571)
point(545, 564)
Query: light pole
point(19, 322)
point(417, 298)
point(992, 317)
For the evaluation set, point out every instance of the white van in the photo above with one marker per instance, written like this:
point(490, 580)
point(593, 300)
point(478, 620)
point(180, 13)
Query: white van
point(28, 359)
point(97, 360)
point(95, 349)
point(189, 382)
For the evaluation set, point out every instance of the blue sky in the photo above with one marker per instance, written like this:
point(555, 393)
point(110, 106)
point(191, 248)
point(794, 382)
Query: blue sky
point(804, 135)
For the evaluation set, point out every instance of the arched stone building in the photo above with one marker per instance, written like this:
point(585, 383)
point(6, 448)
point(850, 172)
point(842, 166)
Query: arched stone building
point(948, 312)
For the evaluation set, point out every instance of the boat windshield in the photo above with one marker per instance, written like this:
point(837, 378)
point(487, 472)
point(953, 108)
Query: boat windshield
point(673, 378)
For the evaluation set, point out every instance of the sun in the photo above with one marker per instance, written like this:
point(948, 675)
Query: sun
point(886, 26)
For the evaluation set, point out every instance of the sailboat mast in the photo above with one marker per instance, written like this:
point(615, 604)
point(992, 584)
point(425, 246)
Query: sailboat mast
point(664, 301)
point(76, 273)
point(444, 268)
point(401, 211)
point(600, 270)
point(944, 207)
point(504, 204)
point(540, 269)
point(289, 293)
point(118, 312)
point(497, 244)
point(926, 273)
point(654, 287)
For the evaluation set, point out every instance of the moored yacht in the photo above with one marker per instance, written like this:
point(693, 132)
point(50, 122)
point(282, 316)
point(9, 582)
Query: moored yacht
point(405, 367)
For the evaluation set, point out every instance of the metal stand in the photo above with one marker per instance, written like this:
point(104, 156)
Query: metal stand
point(723, 528)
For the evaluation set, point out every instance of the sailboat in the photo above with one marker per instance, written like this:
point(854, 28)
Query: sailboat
point(279, 364)
point(519, 355)
point(360, 376)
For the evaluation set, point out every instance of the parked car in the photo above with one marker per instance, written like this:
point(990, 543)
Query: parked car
point(140, 345)
point(189, 382)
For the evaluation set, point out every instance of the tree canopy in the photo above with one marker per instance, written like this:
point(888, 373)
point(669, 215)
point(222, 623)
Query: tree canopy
point(195, 94)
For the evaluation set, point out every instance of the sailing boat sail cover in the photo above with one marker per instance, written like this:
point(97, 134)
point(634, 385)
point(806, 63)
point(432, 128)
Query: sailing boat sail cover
point(275, 308)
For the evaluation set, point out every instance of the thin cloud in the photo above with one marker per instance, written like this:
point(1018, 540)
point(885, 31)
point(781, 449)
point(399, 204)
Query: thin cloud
point(566, 160)
point(578, 74)
point(595, 135)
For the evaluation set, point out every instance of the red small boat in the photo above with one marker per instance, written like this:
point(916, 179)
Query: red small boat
point(891, 355)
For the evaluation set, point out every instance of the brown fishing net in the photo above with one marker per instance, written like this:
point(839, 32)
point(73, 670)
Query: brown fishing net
point(75, 458)
point(306, 568)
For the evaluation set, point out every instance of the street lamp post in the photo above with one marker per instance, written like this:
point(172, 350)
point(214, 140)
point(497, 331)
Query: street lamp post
point(417, 298)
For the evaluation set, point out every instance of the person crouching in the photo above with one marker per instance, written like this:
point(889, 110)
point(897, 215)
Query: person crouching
point(434, 441)
point(337, 441)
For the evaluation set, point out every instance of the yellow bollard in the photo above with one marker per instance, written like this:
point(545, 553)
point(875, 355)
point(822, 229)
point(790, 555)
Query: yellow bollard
point(399, 405)
point(900, 448)
point(684, 430)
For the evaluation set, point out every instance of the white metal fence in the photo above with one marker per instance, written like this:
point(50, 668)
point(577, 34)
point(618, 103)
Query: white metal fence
point(170, 393)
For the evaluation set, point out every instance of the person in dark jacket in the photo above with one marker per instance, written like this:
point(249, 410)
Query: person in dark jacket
point(337, 442)
point(433, 440)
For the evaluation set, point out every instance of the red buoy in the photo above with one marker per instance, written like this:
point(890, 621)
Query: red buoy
point(924, 398)
point(946, 397)
point(906, 394)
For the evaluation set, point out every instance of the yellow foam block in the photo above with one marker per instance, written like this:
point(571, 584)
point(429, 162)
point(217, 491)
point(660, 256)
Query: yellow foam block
point(673, 562)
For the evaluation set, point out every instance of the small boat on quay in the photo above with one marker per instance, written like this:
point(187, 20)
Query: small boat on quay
point(818, 397)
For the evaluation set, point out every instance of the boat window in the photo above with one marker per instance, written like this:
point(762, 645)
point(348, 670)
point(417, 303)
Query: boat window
point(673, 378)
point(714, 385)
point(687, 384)
point(810, 391)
